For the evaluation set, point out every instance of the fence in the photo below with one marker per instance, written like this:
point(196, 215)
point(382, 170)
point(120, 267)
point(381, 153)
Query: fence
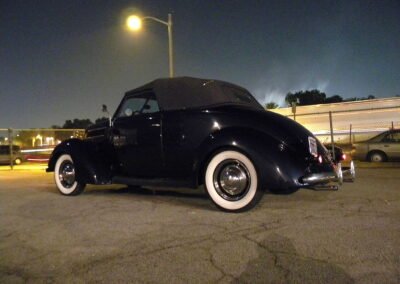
point(343, 127)
point(331, 126)
point(349, 122)
point(32, 145)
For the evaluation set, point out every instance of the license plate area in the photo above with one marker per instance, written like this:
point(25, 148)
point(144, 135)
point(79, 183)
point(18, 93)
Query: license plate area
point(312, 146)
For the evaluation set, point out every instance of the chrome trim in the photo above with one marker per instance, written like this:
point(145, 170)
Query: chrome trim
point(231, 180)
point(329, 180)
point(349, 173)
point(66, 174)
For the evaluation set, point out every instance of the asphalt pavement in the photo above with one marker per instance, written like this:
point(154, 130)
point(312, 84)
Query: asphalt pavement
point(114, 234)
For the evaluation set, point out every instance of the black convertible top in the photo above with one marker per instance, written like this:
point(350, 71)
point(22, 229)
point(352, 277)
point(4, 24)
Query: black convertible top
point(187, 92)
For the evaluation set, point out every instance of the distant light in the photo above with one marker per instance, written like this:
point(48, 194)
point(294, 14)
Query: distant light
point(134, 23)
point(38, 160)
point(36, 150)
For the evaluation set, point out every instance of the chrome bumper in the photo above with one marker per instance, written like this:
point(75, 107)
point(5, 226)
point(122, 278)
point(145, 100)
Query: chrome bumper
point(330, 180)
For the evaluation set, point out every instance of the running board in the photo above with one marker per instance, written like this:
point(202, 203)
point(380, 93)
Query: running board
point(152, 182)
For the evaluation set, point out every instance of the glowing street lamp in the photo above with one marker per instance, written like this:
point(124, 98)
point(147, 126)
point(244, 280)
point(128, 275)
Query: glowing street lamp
point(134, 23)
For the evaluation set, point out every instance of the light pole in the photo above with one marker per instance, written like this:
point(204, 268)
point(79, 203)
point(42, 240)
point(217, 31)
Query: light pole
point(134, 23)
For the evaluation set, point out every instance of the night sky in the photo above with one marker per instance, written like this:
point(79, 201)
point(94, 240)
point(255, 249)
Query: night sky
point(63, 59)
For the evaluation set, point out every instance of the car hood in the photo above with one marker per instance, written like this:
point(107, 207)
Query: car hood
point(97, 129)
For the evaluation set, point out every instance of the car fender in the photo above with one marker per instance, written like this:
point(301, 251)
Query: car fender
point(89, 168)
point(278, 169)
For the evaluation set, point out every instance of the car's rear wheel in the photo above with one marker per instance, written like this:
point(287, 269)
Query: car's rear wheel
point(65, 178)
point(377, 157)
point(232, 182)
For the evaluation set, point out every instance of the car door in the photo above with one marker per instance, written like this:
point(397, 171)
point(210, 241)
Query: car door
point(4, 154)
point(136, 136)
point(391, 145)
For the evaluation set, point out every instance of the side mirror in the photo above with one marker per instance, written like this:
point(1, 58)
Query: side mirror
point(105, 110)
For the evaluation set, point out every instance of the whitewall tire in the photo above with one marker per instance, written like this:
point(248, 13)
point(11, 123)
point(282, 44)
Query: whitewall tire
point(232, 182)
point(64, 176)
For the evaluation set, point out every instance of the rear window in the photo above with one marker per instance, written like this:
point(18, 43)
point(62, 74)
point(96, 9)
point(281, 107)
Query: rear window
point(240, 96)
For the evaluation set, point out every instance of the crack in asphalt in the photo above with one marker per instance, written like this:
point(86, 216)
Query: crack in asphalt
point(48, 238)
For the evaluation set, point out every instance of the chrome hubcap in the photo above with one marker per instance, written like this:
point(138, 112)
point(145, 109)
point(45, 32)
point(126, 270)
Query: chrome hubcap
point(376, 158)
point(231, 180)
point(67, 174)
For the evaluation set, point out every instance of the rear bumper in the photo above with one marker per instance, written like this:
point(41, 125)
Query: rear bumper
point(330, 180)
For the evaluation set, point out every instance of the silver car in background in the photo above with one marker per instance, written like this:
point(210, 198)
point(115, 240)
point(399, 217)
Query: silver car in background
point(18, 158)
point(381, 148)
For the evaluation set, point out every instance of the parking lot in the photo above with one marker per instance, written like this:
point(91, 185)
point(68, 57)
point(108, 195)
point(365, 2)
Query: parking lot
point(114, 234)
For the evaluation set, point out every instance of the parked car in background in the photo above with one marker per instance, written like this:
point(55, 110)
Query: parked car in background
point(18, 158)
point(187, 132)
point(381, 148)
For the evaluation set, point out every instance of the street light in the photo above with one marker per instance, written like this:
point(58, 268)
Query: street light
point(134, 23)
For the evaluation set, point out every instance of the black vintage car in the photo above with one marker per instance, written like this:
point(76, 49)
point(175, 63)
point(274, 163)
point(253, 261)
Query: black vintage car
point(188, 132)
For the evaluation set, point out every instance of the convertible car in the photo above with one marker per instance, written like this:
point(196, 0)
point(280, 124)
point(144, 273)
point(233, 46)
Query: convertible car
point(188, 132)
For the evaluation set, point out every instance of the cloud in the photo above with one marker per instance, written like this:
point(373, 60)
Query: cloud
point(270, 95)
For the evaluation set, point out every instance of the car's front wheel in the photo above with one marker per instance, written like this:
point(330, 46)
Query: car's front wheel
point(232, 182)
point(65, 178)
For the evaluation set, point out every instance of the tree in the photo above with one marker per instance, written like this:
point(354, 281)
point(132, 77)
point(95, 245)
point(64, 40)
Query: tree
point(303, 98)
point(77, 124)
point(333, 99)
point(271, 105)
point(311, 97)
point(101, 120)
point(291, 98)
point(370, 97)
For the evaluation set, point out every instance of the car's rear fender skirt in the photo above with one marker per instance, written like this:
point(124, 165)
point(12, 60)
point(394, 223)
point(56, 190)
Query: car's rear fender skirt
point(277, 169)
point(89, 167)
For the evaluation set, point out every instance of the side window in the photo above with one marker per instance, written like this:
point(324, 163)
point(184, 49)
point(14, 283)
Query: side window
point(387, 138)
point(138, 104)
point(380, 138)
point(396, 137)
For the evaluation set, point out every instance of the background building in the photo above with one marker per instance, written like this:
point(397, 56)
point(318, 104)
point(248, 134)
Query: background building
point(352, 121)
